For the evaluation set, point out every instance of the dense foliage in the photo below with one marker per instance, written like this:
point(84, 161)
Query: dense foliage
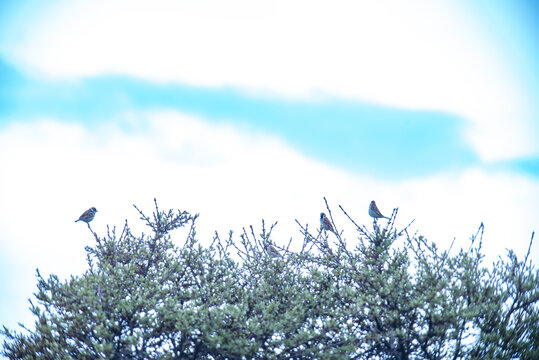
point(388, 295)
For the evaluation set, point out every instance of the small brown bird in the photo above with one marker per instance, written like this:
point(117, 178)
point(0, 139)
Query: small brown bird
point(374, 212)
point(88, 215)
point(325, 224)
point(272, 251)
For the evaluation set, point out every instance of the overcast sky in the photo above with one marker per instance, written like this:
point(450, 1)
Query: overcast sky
point(251, 110)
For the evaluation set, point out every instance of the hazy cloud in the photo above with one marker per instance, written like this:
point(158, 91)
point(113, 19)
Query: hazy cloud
point(418, 55)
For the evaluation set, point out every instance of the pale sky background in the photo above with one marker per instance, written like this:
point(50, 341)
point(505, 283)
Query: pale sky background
point(244, 110)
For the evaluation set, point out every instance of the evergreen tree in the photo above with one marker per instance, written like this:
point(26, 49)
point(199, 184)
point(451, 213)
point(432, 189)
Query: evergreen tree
point(388, 296)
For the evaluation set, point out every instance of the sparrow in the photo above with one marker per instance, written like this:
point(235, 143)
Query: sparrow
point(88, 215)
point(325, 224)
point(374, 212)
point(273, 251)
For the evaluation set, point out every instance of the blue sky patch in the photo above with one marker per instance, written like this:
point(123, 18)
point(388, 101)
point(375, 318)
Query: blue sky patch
point(366, 138)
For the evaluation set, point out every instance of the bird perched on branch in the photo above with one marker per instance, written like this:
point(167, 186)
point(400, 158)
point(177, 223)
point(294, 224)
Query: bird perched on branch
point(325, 224)
point(374, 212)
point(272, 251)
point(88, 215)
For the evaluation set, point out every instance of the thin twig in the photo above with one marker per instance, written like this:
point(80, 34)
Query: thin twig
point(529, 248)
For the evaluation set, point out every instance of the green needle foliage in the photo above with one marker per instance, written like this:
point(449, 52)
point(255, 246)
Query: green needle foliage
point(386, 295)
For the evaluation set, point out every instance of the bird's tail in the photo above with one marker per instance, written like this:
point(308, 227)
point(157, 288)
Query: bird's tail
point(77, 220)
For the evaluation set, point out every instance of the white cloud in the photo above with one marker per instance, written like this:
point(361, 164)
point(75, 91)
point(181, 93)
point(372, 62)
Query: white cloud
point(52, 171)
point(421, 54)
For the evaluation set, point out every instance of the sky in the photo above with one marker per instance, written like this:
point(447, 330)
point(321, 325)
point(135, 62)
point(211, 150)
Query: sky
point(249, 110)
